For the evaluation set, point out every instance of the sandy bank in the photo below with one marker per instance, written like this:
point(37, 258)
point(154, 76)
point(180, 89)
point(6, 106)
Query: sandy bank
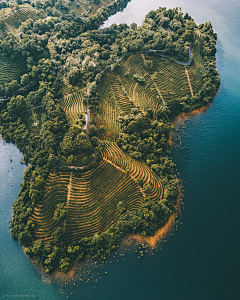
point(160, 233)
point(183, 117)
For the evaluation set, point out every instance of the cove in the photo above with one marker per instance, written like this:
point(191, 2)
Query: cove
point(201, 259)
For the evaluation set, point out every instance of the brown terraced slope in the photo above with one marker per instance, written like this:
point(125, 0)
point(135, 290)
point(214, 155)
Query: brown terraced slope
point(92, 198)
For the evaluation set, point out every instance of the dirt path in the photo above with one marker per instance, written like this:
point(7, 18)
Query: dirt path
point(189, 82)
point(159, 93)
point(69, 188)
point(68, 197)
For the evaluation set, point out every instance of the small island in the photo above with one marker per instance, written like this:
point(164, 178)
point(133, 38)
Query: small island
point(92, 111)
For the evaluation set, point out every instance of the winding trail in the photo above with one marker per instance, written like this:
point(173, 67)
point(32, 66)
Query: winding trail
point(153, 51)
point(176, 61)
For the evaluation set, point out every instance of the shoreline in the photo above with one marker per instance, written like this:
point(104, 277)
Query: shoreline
point(160, 234)
point(183, 117)
point(151, 241)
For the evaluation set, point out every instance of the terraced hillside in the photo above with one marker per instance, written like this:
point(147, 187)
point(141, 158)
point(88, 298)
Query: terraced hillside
point(92, 198)
point(34, 118)
point(102, 3)
point(166, 80)
point(73, 105)
point(196, 70)
point(80, 6)
point(24, 13)
point(3, 33)
point(11, 69)
point(112, 100)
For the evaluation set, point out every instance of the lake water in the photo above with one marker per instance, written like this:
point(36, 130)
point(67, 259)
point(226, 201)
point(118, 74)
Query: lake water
point(200, 260)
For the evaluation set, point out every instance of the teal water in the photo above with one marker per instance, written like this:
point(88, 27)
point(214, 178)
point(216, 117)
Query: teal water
point(200, 260)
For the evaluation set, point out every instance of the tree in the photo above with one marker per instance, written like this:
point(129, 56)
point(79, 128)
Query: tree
point(70, 159)
point(12, 87)
point(74, 76)
point(140, 182)
point(148, 64)
point(16, 105)
point(60, 213)
point(25, 79)
point(38, 4)
point(139, 78)
point(121, 207)
point(58, 234)
point(147, 187)
point(64, 264)
point(133, 26)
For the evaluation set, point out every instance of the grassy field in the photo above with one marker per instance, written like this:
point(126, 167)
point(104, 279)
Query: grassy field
point(92, 198)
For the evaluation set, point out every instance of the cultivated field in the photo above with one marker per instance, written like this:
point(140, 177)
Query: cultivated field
point(102, 3)
point(79, 6)
point(166, 80)
point(11, 69)
point(92, 198)
point(73, 105)
point(24, 13)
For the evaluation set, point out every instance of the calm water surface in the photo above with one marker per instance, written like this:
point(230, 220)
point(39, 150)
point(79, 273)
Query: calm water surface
point(201, 259)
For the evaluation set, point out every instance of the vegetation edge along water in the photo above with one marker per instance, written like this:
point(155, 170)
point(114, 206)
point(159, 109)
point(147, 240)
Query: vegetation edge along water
point(64, 213)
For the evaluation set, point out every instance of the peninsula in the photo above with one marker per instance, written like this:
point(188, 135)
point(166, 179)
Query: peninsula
point(91, 110)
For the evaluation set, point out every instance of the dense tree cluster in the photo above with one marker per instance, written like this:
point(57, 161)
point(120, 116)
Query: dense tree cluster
point(147, 140)
point(75, 142)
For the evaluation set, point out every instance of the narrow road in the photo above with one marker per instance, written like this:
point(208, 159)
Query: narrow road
point(176, 61)
point(87, 116)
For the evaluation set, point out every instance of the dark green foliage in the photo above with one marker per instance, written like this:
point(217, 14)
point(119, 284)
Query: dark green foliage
point(58, 234)
point(74, 76)
point(139, 78)
point(60, 213)
point(142, 138)
point(140, 182)
point(121, 207)
point(147, 187)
